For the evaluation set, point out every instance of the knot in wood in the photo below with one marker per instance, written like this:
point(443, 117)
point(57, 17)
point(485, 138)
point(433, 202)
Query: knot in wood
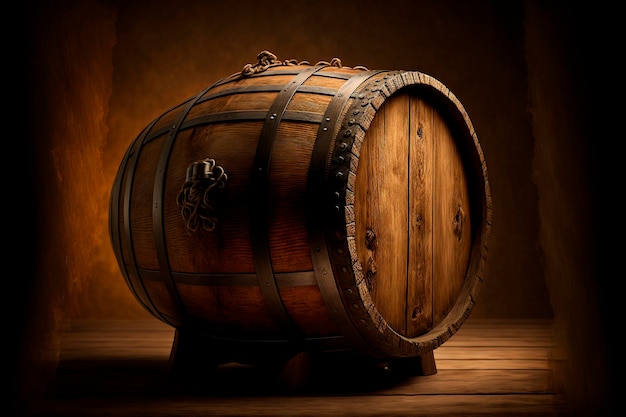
point(370, 239)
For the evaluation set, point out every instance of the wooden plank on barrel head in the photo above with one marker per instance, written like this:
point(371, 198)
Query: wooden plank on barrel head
point(387, 180)
point(452, 231)
point(420, 283)
point(363, 200)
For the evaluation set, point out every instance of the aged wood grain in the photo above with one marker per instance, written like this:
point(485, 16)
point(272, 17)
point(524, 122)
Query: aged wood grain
point(451, 226)
point(382, 235)
point(420, 223)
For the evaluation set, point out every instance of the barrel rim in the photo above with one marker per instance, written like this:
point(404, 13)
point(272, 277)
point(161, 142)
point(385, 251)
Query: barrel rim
point(376, 330)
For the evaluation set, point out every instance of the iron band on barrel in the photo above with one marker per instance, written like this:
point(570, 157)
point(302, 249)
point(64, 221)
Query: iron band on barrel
point(317, 206)
point(157, 208)
point(259, 220)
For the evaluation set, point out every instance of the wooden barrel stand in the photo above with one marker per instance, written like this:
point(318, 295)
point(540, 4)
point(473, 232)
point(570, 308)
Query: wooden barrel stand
point(194, 361)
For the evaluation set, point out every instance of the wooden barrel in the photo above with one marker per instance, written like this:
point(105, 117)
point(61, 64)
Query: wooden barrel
point(319, 206)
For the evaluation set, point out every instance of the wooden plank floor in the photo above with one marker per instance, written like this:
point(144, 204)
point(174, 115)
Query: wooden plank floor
point(120, 368)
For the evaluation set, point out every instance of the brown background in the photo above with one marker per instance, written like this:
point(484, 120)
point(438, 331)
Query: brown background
point(96, 72)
